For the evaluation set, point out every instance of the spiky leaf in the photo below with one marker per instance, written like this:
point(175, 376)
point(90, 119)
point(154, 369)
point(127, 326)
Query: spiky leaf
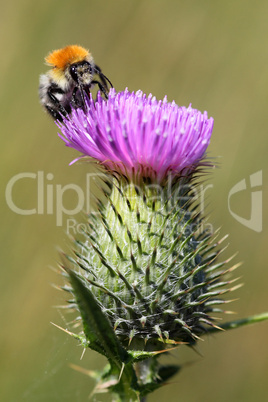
point(97, 328)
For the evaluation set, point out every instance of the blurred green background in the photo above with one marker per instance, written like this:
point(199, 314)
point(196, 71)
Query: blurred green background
point(213, 54)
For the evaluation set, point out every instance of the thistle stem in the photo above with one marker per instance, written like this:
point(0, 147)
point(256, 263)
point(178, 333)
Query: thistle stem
point(239, 323)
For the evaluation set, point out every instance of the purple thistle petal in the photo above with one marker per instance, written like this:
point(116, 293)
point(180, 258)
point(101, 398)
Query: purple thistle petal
point(138, 133)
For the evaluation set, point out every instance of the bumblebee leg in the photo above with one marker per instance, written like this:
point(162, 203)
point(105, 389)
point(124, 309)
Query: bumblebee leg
point(59, 109)
point(75, 101)
point(103, 77)
point(103, 89)
point(54, 113)
point(78, 97)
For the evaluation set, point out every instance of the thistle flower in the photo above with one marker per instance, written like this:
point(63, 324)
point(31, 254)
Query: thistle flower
point(145, 277)
point(133, 133)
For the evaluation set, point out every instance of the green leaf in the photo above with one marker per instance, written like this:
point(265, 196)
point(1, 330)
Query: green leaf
point(97, 328)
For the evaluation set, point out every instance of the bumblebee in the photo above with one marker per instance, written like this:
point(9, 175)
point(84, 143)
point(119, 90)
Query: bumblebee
point(70, 78)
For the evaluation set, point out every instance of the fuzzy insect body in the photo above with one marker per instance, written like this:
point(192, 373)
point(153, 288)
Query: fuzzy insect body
point(71, 77)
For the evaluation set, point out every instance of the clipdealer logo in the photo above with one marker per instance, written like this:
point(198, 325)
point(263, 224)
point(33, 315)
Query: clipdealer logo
point(50, 198)
point(255, 220)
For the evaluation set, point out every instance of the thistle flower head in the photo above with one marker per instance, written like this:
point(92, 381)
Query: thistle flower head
point(137, 134)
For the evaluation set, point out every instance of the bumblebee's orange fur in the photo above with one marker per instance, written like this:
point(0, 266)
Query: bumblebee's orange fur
point(61, 58)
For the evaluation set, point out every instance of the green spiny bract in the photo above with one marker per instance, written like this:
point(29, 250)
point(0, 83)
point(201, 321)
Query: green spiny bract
point(150, 266)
